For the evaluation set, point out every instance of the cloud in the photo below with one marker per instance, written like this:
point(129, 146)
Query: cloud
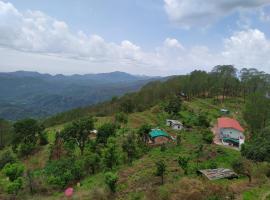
point(248, 48)
point(36, 41)
point(187, 13)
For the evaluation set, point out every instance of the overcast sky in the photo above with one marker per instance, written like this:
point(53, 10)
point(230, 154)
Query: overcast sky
point(152, 37)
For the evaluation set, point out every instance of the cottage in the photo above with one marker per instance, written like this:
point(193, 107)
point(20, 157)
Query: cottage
point(214, 174)
point(174, 124)
point(158, 136)
point(230, 132)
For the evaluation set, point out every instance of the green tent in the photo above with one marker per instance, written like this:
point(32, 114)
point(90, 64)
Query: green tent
point(158, 133)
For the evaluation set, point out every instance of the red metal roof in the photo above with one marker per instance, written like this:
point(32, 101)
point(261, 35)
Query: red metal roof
point(225, 122)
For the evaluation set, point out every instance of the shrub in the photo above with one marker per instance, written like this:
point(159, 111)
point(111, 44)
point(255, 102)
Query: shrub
point(26, 149)
point(13, 171)
point(15, 186)
point(59, 173)
point(6, 157)
point(111, 180)
point(183, 163)
point(208, 136)
point(43, 139)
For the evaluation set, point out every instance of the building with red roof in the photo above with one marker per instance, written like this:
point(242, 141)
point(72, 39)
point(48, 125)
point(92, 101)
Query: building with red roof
point(230, 131)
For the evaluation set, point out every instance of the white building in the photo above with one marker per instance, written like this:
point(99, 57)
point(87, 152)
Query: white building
point(174, 124)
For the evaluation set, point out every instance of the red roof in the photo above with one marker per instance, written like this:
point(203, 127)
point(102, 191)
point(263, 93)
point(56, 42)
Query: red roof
point(225, 122)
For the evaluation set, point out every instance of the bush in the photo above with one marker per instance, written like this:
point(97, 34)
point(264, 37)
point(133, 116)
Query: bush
point(208, 136)
point(15, 186)
point(111, 180)
point(26, 149)
point(43, 139)
point(13, 170)
point(61, 172)
point(6, 157)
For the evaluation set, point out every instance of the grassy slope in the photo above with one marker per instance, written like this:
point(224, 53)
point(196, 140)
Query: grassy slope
point(139, 180)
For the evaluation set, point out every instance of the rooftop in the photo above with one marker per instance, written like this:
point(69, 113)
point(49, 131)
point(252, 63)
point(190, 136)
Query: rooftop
point(214, 174)
point(158, 133)
point(225, 122)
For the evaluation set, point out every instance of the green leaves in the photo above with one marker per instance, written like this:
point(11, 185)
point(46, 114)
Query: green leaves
point(111, 181)
point(13, 170)
point(183, 163)
point(78, 132)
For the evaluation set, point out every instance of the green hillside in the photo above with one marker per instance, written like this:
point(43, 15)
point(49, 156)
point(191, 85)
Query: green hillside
point(43, 158)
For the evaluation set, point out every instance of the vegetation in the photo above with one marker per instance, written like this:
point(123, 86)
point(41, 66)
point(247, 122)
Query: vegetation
point(42, 158)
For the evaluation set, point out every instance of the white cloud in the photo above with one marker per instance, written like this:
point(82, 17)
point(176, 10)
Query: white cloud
point(187, 13)
point(36, 41)
point(248, 48)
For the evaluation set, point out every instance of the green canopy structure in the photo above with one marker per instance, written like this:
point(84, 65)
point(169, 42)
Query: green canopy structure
point(158, 133)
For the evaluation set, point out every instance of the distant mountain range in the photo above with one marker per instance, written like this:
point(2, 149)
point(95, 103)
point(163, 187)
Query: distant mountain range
point(31, 94)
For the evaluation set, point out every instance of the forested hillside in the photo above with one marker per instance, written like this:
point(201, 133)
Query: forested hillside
point(31, 94)
point(221, 83)
point(105, 151)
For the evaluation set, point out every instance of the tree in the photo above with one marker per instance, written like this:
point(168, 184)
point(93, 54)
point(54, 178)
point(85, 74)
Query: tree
point(60, 173)
point(129, 147)
point(26, 134)
point(243, 167)
point(6, 156)
point(143, 132)
point(105, 131)
point(121, 118)
point(160, 170)
point(91, 161)
point(127, 105)
point(183, 163)
point(111, 154)
point(111, 181)
point(5, 133)
point(257, 111)
point(173, 105)
point(258, 148)
point(227, 78)
point(78, 132)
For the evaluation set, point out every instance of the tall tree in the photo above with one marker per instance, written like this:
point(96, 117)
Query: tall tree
point(105, 131)
point(143, 132)
point(78, 132)
point(26, 134)
point(129, 146)
point(257, 111)
point(227, 78)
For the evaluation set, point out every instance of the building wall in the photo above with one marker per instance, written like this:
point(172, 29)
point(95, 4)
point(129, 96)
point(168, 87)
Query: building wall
point(231, 133)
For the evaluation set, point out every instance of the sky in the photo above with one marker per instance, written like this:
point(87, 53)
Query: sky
point(150, 37)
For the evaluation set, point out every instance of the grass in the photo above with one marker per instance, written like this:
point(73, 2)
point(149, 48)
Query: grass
point(138, 181)
point(260, 193)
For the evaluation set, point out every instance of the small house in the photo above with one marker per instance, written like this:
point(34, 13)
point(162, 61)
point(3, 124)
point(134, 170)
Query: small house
point(174, 124)
point(230, 132)
point(224, 111)
point(158, 136)
point(220, 173)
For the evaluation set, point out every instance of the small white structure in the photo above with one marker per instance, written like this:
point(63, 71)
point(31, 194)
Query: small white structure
point(174, 124)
